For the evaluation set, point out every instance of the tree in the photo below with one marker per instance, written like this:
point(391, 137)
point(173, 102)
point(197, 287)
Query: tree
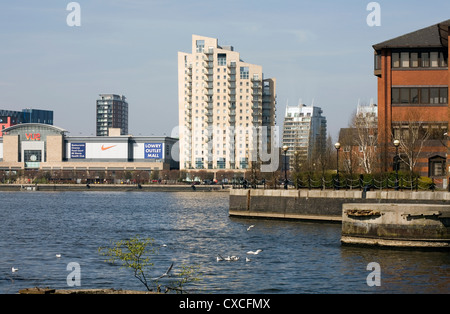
point(412, 135)
point(366, 138)
point(133, 254)
point(136, 254)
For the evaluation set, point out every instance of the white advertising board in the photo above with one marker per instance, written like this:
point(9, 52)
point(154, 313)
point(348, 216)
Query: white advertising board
point(107, 150)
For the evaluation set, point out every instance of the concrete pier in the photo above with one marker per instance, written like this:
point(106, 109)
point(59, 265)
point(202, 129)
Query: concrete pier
point(318, 205)
point(396, 225)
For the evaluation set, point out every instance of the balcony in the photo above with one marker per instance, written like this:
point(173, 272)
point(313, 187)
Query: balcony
point(208, 51)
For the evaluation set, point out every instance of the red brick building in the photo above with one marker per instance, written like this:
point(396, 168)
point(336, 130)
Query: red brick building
point(413, 80)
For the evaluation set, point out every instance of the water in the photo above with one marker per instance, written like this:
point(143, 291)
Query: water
point(297, 257)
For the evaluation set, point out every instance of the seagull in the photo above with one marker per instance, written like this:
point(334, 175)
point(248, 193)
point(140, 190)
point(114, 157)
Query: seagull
point(254, 252)
point(14, 269)
point(247, 259)
point(165, 274)
point(234, 258)
point(219, 258)
point(248, 229)
point(58, 255)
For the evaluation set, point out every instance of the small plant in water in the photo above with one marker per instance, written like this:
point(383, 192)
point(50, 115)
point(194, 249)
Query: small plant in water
point(136, 254)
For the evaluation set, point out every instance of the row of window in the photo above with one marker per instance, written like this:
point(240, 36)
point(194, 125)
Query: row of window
point(419, 95)
point(433, 59)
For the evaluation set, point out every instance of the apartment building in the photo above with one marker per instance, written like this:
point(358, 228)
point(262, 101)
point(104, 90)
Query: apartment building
point(304, 131)
point(223, 104)
point(413, 80)
point(112, 112)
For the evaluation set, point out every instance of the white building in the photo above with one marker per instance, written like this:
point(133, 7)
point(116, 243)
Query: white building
point(304, 130)
point(222, 102)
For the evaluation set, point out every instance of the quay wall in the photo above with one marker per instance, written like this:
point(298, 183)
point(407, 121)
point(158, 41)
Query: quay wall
point(319, 205)
point(396, 225)
point(113, 187)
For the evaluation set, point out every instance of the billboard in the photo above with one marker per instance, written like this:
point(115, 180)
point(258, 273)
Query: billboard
point(108, 150)
point(78, 150)
point(153, 150)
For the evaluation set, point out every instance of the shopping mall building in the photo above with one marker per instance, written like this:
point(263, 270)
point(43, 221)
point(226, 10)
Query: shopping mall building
point(47, 147)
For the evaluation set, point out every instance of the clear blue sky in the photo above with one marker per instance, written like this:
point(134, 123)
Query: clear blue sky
point(318, 51)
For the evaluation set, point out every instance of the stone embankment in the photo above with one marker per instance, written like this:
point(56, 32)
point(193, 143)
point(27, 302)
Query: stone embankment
point(318, 204)
point(378, 218)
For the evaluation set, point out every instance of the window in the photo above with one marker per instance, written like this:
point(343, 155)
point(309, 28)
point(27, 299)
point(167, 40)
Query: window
point(423, 95)
point(404, 95)
point(404, 57)
point(414, 94)
point(395, 60)
point(395, 95)
point(244, 71)
point(200, 45)
point(414, 59)
point(436, 166)
point(221, 59)
point(442, 60)
point(425, 56)
point(377, 61)
point(434, 95)
point(443, 95)
point(422, 59)
point(434, 59)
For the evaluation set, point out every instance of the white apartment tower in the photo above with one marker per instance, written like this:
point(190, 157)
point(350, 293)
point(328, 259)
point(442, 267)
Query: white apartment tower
point(304, 131)
point(223, 101)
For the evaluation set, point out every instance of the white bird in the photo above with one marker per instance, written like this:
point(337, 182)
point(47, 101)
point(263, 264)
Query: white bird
point(58, 255)
point(219, 258)
point(254, 252)
point(234, 258)
point(247, 259)
point(165, 274)
point(14, 269)
point(248, 229)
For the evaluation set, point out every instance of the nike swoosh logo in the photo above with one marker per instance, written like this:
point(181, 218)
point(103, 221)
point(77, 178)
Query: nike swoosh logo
point(108, 147)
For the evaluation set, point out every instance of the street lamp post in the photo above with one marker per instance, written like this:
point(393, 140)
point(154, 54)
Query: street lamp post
point(285, 149)
point(337, 146)
point(396, 163)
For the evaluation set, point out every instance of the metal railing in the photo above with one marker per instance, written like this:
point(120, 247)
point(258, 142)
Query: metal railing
point(335, 183)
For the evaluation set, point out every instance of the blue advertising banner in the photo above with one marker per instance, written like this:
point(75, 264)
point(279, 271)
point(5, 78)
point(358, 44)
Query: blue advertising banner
point(78, 150)
point(153, 150)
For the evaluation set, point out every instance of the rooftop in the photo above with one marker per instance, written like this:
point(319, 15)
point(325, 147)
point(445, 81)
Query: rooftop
point(434, 36)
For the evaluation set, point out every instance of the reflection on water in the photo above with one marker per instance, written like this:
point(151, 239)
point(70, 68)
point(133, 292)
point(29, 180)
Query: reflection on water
point(297, 257)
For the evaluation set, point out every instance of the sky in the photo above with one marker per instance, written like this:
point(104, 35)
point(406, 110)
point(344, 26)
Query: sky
point(320, 53)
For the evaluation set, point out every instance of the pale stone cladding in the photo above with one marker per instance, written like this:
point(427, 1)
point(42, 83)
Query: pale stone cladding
point(222, 103)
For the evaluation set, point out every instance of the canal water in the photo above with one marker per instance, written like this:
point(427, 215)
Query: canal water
point(193, 228)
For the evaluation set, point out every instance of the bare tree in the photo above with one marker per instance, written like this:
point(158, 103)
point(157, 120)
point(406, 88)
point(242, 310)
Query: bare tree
point(366, 138)
point(412, 135)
